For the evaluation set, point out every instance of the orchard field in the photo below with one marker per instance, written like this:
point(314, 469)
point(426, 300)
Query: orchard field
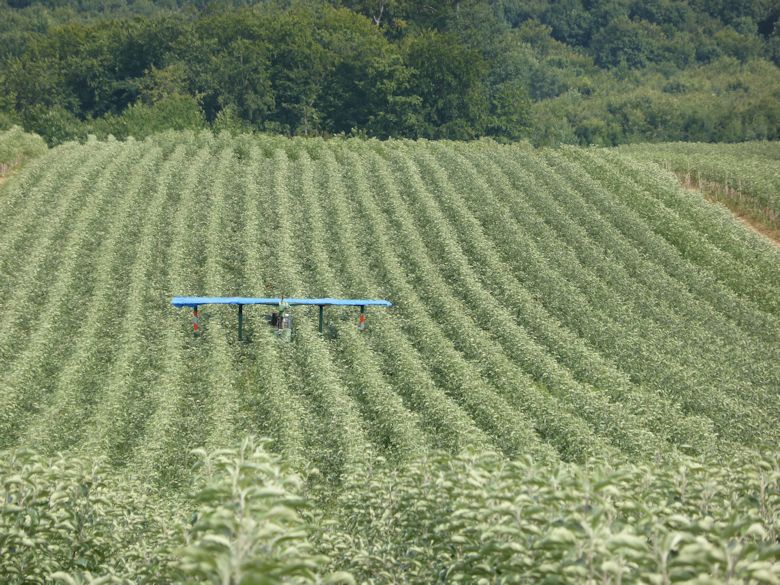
point(579, 379)
point(745, 177)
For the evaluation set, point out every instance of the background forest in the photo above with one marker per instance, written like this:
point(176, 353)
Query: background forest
point(562, 71)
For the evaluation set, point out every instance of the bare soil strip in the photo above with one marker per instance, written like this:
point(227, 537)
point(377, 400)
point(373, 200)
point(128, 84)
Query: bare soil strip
point(737, 203)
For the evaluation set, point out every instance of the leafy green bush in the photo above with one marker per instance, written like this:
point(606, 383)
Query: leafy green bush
point(17, 146)
point(70, 517)
point(482, 519)
point(176, 112)
point(247, 528)
point(76, 521)
point(55, 124)
point(475, 517)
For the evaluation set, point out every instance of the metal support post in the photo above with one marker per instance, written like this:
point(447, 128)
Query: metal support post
point(240, 322)
point(362, 319)
point(195, 321)
point(322, 311)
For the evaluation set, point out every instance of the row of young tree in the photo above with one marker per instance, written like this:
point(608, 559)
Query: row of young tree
point(576, 71)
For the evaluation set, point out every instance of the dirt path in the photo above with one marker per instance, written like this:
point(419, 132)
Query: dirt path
point(771, 234)
point(748, 220)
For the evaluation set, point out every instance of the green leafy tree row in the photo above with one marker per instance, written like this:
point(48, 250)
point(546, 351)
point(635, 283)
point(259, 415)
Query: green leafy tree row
point(473, 517)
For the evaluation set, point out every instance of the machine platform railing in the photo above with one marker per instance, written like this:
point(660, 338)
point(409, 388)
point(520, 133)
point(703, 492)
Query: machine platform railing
point(240, 302)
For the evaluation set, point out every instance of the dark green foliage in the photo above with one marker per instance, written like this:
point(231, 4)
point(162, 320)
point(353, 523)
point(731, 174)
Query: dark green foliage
point(55, 124)
point(447, 76)
point(368, 86)
point(724, 101)
point(175, 112)
point(414, 68)
point(627, 43)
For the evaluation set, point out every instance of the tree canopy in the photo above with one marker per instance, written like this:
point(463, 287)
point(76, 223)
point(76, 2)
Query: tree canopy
point(550, 71)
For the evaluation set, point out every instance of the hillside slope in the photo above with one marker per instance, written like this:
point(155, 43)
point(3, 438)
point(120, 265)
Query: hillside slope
point(562, 303)
point(744, 177)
